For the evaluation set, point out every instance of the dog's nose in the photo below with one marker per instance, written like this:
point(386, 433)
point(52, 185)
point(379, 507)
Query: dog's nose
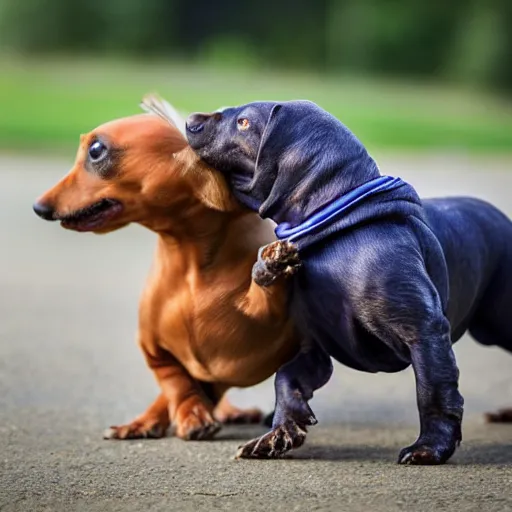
point(44, 211)
point(195, 122)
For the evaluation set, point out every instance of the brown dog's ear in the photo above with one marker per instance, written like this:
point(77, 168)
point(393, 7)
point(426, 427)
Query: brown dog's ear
point(208, 184)
point(153, 104)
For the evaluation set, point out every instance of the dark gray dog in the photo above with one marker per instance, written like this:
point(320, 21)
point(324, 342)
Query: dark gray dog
point(387, 280)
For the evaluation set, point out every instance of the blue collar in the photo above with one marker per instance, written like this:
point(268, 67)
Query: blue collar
point(334, 210)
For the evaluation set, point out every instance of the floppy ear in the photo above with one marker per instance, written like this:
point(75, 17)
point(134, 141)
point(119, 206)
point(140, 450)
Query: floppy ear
point(288, 147)
point(153, 104)
point(311, 156)
point(270, 126)
point(212, 189)
point(269, 154)
point(285, 139)
point(300, 139)
point(209, 185)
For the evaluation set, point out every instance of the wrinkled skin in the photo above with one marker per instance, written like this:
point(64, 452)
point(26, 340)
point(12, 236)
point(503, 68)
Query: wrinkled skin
point(393, 282)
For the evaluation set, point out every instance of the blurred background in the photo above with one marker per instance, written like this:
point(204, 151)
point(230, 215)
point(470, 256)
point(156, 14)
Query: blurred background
point(402, 74)
point(426, 85)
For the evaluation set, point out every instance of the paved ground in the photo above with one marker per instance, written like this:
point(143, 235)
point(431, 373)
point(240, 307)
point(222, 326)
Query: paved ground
point(69, 367)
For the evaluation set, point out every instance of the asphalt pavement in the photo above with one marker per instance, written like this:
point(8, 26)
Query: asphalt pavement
point(70, 366)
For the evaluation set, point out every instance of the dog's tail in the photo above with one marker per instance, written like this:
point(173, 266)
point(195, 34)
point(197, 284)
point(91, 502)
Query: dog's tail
point(154, 104)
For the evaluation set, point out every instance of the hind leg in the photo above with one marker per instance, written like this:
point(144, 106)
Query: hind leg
point(488, 336)
point(227, 413)
point(500, 416)
point(440, 404)
point(492, 327)
point(409, 312)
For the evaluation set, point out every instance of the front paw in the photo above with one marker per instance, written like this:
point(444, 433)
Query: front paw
point(194, 421)
point(149, 429)
point(275, 443)
point(278, 259)
point(427, 454)
point(433, 448)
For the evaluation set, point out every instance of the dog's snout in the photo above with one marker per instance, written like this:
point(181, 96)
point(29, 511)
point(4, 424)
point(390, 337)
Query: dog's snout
point(44, 211)
point(196, 122)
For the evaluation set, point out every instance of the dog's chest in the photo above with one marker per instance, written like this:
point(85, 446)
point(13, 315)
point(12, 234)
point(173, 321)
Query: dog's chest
point(214, 341)
point(181, 323)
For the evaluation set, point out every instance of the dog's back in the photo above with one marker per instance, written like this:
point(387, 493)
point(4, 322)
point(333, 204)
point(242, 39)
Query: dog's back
point(476, 239)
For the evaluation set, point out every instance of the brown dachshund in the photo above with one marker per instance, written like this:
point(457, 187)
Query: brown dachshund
point(204, 325)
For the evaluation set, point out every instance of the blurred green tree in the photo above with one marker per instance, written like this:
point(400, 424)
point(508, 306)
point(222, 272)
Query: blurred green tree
point(467, 40)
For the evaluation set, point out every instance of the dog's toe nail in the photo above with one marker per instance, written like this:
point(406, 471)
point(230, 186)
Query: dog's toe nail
point(403, 459)
point(110, 433)
point(243, 452)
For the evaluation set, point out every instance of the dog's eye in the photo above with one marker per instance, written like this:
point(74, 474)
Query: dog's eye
point(97, 150)
point(243, 124)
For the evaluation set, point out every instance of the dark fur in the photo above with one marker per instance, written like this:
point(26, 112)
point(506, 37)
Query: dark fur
point(393, 282)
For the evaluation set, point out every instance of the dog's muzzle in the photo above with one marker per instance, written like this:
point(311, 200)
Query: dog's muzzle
point(195, 122)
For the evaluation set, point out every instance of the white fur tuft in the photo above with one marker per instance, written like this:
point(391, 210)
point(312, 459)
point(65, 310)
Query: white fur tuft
point(153, 104)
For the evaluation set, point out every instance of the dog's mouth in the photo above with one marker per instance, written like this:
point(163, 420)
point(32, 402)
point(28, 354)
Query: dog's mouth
point(93, 217)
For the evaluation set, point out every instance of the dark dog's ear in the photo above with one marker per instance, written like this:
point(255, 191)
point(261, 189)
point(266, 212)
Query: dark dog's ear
point(289, 128)
point(304, 149)
point(272, 117)
point(294, 142)
point(268, 153)
point(268, 132)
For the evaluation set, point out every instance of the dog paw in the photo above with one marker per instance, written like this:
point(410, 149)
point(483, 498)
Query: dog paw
point(275, 443)
point(436, 445)
point(424, 455)
point(194, 421)
point(137, 430)
point(501, 416)
point(278, 259)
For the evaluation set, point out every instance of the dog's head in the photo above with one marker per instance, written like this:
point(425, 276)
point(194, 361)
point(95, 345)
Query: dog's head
point(284, 159)
point(135, 169)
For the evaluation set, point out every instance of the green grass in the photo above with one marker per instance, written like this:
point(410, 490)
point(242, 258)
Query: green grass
point(46, 104)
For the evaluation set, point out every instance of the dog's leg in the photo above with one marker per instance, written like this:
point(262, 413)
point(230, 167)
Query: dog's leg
point(267, 296)
point(295, 381)
point(227, 413)
point(500, 416)
point(439, 401)
point(152, 423)
point(294, 384)
point(190, 409)
point(492, 327)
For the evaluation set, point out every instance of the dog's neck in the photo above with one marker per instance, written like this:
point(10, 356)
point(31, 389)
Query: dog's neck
point(316, 186)
point(197, 220)
point(198, 241)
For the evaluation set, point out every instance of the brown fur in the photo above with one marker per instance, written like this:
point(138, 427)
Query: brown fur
point(204, 325)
